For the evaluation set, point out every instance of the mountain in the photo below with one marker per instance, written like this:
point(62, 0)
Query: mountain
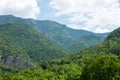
point(112, 42)
point(101, 62)
point(111, 45)
point(70, 39)
point(21, 45)
point(95, 63)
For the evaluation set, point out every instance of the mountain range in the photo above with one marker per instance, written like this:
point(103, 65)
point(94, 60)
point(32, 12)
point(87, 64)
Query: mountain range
point(70, 39)
point(27, 44)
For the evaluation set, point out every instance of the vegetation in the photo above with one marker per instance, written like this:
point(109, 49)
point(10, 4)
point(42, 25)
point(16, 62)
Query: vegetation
point(21, 40)
point(111, 45)
point(101, 62)
point(70, 39)
point(100, 67)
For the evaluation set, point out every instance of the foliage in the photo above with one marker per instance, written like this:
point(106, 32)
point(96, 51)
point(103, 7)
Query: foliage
point(99, 67)
point(70, 39)
point(101, 62)
point(20, 39)
point(102, 67)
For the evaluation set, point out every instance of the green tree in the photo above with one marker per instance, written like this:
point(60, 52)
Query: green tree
point(102, 67)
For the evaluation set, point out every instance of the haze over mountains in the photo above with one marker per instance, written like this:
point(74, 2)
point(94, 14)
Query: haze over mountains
point(70, 39)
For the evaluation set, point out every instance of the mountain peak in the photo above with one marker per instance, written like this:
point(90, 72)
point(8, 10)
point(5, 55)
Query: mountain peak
point(114, 35)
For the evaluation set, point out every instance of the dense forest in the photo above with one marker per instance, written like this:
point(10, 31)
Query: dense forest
point(70, 39)
point(27, 54)
point(21, 43)
point(99, 67)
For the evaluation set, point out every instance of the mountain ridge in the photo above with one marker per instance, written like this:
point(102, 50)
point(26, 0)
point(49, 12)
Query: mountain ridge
point(66, 37)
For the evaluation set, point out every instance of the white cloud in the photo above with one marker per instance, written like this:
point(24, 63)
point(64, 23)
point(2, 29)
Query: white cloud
point(95, 15)
point(96, 29)
point(21, 8)
point(101, 30)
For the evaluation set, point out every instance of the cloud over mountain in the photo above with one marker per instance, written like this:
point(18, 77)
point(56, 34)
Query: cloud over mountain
point(93, 15)
point(21, 8)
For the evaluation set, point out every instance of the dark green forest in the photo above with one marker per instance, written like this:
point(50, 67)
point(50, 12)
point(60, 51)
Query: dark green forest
point(99, 67)
point(27, 54)
point(20, 41)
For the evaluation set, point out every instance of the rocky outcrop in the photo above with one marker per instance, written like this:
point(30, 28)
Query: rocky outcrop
point(16, 62)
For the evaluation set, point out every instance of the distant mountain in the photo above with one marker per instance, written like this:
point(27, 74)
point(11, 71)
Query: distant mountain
point(21, 44)
point(70, 39)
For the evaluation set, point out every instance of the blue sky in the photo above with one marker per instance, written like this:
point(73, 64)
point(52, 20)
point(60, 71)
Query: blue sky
point(48, 13)
point(94, 15)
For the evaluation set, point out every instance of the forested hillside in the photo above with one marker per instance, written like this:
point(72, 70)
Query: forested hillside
point(70, 39)
point(96, 63)
point(111, 45)
point(21, 44)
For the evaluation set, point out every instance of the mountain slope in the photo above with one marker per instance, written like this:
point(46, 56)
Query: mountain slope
point(70, 39)
point(101, 62)
point(112, 42)
point(96, 63)
point(19, 40)
point(110, 45)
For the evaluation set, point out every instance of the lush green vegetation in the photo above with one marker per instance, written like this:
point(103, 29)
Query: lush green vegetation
point(101, 62)
point(111, 45)
point(21, 40)
point(70, 39)
point(99, 67)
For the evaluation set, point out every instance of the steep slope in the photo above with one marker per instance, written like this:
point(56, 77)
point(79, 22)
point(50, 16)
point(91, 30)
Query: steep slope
point(112, 42)
point(111, 45)
point(70, 39)
point(101, 62)
point(114, 36)
point(96, 63)
point(19, 40)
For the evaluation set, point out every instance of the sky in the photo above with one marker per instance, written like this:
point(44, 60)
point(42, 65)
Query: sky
point(98, 16)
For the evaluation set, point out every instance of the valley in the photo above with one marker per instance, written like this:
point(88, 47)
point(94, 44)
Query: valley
point(47, 50)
